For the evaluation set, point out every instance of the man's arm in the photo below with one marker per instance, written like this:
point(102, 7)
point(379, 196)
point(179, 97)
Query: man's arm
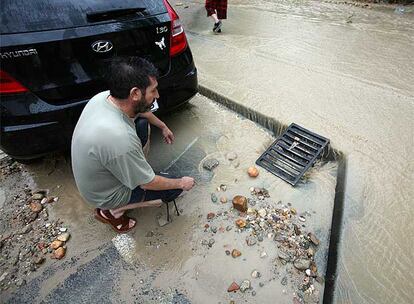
point(163, 183)
point(155, 121)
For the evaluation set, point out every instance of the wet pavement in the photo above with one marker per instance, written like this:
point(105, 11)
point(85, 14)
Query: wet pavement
point(173, 264)
point(344, 72)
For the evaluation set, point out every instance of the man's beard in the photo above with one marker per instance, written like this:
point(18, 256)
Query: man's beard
point(142, 106)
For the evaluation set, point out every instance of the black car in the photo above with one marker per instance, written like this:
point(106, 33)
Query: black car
point(53, 53)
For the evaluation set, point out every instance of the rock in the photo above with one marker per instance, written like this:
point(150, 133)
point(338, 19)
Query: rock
point(38, 196)
point(284, 256)
point(162, 222)
point(261, 212)
point(235, 253)
point(204, 242)
point(302, 219)
point(223, 199)
point(253, 172)
point(245, 285)
point(231, 156)
point(293, 211)
point(210, 164)
point(313, 239)
point(20, 282)
point(213, 229)
point(284, 281)
point(260, 238)
point(63, 229)
point(251, 240)
point(253, 293)
point(233, 287)
point(64, 237)
point(38, 260)
point(263, 255)
point(301, 264)
point(228, 228)
point(36, 207)
point(240, 203)
point(227, 252)
point(211, 242)
point(211, 215)
point(241, 223)
point(59, 253)
point(256, 274)
point(214, 198)
point(296, 229)
point(261, 284)
point(26, 229)
point(56, 244)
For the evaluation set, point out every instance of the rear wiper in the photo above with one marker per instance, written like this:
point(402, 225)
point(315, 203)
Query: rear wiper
point(112, 13)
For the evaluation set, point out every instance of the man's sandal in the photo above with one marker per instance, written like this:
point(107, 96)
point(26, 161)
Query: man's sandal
point(114, 222)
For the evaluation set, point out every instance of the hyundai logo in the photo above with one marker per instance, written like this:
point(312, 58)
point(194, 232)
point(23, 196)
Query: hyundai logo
point(102, 46)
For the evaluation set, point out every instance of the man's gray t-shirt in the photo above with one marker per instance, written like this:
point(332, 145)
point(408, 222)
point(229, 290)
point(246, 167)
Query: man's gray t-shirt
point(107, 157)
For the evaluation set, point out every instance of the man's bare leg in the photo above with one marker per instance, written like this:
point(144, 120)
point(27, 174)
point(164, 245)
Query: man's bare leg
point(117, 213)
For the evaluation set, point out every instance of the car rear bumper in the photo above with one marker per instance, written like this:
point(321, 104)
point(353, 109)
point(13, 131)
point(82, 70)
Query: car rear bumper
point(31, 127)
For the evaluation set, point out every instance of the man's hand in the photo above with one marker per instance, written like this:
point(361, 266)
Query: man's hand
point(168, 135)
point(187, 183)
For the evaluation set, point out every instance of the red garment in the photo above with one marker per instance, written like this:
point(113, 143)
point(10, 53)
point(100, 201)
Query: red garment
point(217, 5)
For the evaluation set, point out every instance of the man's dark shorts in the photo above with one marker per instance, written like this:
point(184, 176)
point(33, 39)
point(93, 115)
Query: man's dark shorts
point(140, 195)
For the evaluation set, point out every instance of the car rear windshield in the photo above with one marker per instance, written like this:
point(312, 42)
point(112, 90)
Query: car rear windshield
point(19, 16)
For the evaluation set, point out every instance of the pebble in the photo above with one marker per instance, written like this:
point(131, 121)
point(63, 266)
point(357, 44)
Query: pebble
point(240, 203)
point(213, 229)
point(263, 255)
point(245, 285)
point(211, 242)
point(261, 284)
point(38, 260)
point(210, 164)
point(149, 234)
point(253, 293)
point(227, 252)
point(36, 207)
point(262, 212)
point(284, 281)
point(235, 253)
point(223, 199)
point(211, 215)
point(64, 237)
point(313, 238)
point(214, 198)
point(256, 274)
point(253, 172)
point(302, 219)
point(301, 264)
point(233, 287)
point(20, 282)
point(228, 228)
point(241, 223)
point(251, 240)
point(56, 244)
point(26, 229)
point(59, 253)
point(63, 229)
point(37, 196)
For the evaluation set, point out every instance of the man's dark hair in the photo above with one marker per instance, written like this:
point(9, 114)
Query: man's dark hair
point(124, 73)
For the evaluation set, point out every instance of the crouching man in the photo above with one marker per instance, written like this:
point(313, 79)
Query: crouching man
point(108, 161)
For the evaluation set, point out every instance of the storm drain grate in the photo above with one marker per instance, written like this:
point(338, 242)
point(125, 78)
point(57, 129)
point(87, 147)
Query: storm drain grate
point(293, 153)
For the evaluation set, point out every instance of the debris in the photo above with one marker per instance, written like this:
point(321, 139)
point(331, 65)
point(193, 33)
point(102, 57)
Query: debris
point(240, 203)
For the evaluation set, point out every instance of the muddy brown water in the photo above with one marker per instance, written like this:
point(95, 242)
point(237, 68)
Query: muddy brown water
point(346, 73)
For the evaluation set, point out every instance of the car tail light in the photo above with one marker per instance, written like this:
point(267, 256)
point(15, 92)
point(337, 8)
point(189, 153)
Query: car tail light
point(9, 85)
point(178, 39)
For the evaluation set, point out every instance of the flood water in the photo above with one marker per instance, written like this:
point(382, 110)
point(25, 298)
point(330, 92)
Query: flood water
point(348, 73)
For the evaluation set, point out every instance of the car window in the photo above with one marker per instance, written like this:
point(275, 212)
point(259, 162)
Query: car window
point(18, 16)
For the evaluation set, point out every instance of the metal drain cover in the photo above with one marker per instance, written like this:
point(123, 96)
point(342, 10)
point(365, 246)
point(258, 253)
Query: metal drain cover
point(293, 153)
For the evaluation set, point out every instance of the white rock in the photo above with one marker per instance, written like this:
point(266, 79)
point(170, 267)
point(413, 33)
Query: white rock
point(63, 229)
point(263, 255)
point(64, 237)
